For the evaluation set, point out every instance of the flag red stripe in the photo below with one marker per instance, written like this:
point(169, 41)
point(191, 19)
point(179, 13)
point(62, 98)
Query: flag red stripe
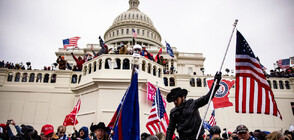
point(251, 95)
point(248, 61)
point(244, 95)
point(267, 104)
point(264, 85)
point(237, 95)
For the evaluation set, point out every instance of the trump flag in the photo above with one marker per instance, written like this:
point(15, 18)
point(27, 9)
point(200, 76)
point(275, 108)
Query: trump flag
point(221, 97)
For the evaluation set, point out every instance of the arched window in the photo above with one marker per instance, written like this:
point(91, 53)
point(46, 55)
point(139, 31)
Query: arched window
point(287, 85)
point(95, 66)
point(46, 78)
point(80, 78)
point(165, 81)
point(275, 84)
point(143, 32)
point(154, 70)
point(281, 84)
point(24, 77)
point(171, 81)
point(117, 63)
point(39, 77)
point(107, 63)
point(127, 31)
point(17, 77)
point(269, 82)
point(143, 65)
point(159, 72)
point(149, 68)
point(32, 77)
point(138, 31)
point(10, 76)
point(74, 79)
point(126, 64)
point(198, 82)
point(117, 32)
point(53, 78)
point(192, 82)
point(204, 82)
point(90, 68)
point(100, 63)
point(122, 31)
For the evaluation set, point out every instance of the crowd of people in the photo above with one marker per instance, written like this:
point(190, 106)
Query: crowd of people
point(101, 132)
point(121, 49)
point(282, 73)
point(18, 66)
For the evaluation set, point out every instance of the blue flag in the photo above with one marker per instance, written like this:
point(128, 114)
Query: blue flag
point(169, 50)
point(127, 126)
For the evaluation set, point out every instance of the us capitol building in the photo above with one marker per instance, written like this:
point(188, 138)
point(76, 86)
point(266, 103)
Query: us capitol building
point(38, 97)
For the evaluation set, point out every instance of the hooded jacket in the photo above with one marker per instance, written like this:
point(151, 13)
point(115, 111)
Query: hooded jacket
point(186, 118)
point(86, 133)
point(79, 63)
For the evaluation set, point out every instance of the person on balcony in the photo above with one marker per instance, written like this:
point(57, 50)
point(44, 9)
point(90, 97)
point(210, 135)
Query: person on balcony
point(61, 62)
point(80, 61)
point(123, 49)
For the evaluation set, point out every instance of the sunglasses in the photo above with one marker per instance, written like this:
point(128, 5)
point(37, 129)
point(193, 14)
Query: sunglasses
point(62, 132)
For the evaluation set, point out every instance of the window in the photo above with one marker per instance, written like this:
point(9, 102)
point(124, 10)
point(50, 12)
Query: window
point(192, 82)
point(90, 68)
point(165, 81)
point(269, 82)
point(39, 77)
point(151, 35)
point(143, 65)
point(53, 78)
point(117, 64)
point(287, 85)
point(17, 77)
point(138, 31)
point(112, 33)
point(154, 70)
point(32, 77)
point(171, 81)
point(24, 77)
point(126, 64)
point(122, 31)
point(292, 106)
point(281, 84)
point(198, 81)
point(204, 82)
point(149, 68)
point(275, 84)
point(74, 79)
point(147, 33)
point(10, 76)
point(117, 32)
point(46, 78)
point(142, 32)
point(159, 72)
point(107, 63)
point(127, 31)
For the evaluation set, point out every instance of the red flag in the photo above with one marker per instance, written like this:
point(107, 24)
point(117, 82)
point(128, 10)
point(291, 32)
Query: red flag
point(71, 119)
point(151, 90)
point(221, 97)
point(253, 93)
point(158, 55)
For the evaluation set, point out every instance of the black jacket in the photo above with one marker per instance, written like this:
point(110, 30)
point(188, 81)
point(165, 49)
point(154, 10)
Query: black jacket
point(186, 118)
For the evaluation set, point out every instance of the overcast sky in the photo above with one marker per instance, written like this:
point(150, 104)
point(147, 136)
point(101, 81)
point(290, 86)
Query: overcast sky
point(32, 30)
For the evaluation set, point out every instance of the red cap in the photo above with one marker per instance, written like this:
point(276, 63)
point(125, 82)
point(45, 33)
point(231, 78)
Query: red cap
point(3, 126)
point(47, 129)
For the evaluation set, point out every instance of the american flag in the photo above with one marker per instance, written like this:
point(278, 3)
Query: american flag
point(284, 63)
point(212, 121)
point(253, 93)
point(71, 42)
point(158, 119)
point(134, 33)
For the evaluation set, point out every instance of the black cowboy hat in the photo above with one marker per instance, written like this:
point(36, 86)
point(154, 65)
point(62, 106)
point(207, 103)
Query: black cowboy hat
point(100, 125)
point(175, 93)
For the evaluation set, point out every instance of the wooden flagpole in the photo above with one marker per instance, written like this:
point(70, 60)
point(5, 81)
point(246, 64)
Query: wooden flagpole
point(216, 81)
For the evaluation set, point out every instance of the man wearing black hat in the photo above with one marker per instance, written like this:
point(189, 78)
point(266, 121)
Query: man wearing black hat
point(101, 132)
point(185, 115)
point(243, 133)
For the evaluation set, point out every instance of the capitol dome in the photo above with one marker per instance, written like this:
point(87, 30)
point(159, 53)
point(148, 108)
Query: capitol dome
point(133, 18)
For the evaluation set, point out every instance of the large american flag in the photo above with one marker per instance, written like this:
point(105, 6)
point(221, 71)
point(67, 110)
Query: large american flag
point(284, 63)
point(158, 119)
point(212, 121)
point(71, 42)
point(253, 93)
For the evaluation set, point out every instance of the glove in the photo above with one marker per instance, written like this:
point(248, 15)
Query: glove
point(218, 77)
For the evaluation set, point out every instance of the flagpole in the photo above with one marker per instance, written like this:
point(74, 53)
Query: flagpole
point(216, 81)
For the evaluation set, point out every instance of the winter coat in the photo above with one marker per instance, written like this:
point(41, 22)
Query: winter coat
point(79, 63)
point(186, 118)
